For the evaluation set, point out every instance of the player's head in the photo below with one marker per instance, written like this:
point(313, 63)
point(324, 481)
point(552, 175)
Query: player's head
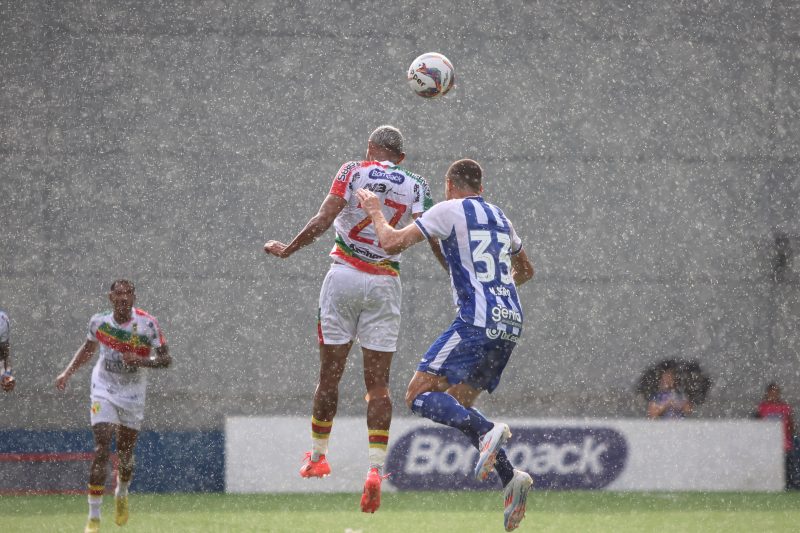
point(122, 295)
point(463, 178)
point(385, 144)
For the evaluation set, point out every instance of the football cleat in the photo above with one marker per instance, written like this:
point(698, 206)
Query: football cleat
point(311, 468)
point(516, 494)
point(121, 511)
point(489, 445)
point(371, 497)
point(92, 526)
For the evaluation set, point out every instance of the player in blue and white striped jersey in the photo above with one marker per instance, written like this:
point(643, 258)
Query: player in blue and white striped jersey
point(486, 263)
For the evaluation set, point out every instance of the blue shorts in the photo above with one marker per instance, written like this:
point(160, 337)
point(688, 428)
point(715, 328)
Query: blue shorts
point(469, 354)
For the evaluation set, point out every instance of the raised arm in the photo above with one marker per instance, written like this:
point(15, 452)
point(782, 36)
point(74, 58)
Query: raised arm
point(81, 357)
point(392, 240)
point(319, 224)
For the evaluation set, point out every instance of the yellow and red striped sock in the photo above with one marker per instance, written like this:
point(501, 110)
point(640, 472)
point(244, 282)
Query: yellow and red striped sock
point(95, 500)
point(378, 442)
point(320, 433)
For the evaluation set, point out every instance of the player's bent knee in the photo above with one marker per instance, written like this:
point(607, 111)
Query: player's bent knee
point(377, 393)
point(101, 453)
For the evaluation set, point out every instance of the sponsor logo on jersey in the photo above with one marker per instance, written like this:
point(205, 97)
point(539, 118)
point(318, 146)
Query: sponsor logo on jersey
point(565, 458)
point(365, 253)
point(377, 188)
point(118, 367)
point(506, 315)
point(344, 172)
point(493, 334)
point(380, 174)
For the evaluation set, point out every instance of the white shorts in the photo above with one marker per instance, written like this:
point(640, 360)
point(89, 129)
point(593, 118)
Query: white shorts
point(103, 411)
point(356, 305)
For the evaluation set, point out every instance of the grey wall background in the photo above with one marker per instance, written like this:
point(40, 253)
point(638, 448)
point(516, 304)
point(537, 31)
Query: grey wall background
point(647, 153)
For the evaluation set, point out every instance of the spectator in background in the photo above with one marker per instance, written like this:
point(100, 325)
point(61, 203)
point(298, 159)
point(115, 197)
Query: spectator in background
point(668, 401)
point(773, 407)
point(7, 381)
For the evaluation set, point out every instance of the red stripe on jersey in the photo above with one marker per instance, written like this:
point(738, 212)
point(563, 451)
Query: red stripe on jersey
point(342, 179)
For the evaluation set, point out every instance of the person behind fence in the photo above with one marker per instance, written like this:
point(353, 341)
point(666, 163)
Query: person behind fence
point(668, 402)
point(128, 340)
point(773, 407)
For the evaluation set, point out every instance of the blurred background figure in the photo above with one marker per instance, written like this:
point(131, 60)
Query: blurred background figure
point(773, 407)
point(668, 401)
point(673, 388)
point(7, 381)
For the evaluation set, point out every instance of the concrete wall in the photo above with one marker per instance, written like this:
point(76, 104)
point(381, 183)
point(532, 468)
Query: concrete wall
point(647, 154)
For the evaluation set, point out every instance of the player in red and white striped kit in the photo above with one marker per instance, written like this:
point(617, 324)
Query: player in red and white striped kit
point(360, 297)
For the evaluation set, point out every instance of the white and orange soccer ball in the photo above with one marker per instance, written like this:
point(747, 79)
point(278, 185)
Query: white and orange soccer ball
point(431, 75)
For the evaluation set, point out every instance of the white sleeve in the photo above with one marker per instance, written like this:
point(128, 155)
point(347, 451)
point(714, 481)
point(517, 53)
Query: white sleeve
point(516, 242)
point(94, 323)
point(438, 220)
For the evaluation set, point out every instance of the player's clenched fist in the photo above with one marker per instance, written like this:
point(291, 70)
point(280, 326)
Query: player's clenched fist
point(369, 201)
point(276, 248)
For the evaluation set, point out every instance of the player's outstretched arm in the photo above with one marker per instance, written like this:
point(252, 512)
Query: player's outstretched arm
point(521, 268)
point(161, 359)
point(392, 241)
point(81, 357)
point(319, 224)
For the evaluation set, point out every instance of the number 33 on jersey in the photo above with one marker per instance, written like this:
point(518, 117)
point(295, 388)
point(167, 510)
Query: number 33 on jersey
point(478, 241)
point(402, 195)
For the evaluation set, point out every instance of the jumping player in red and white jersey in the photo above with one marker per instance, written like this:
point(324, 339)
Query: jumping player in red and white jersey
point(128, 340)
point(360, 297)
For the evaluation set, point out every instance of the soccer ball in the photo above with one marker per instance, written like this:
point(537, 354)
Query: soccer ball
point(431, 75)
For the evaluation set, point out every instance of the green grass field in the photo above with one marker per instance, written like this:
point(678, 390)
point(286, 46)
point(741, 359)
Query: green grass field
point(461, 512)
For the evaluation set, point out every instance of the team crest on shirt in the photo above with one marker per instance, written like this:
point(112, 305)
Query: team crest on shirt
point(95, 408)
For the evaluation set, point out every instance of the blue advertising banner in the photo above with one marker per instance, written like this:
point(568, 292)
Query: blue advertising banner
point(562, 458)
point(58, 461)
